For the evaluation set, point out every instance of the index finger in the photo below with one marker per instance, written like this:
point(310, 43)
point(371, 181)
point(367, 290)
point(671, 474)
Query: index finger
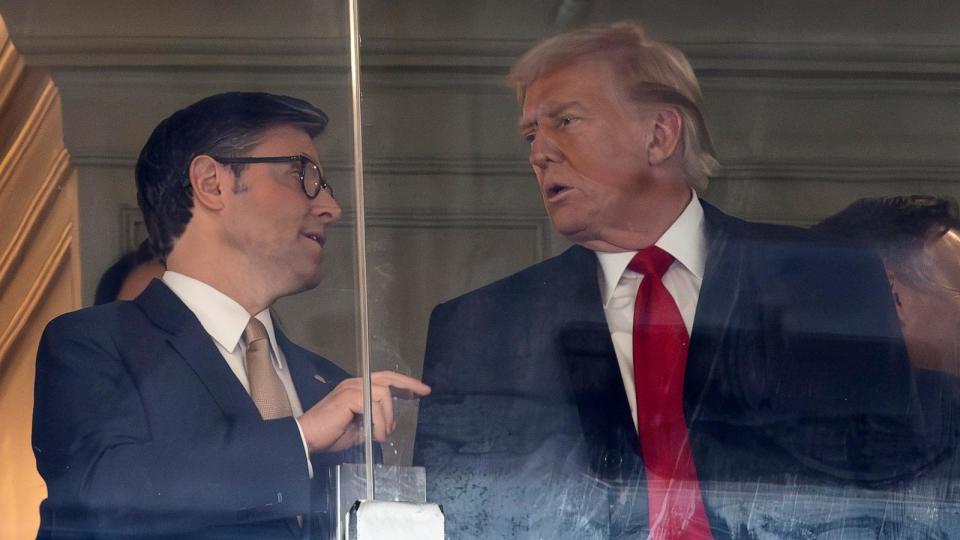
point(402, 386)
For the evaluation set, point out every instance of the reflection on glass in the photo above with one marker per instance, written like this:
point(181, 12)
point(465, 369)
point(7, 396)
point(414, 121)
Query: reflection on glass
point(918, 239)
point(786, 393)
point(200, 416)
point(678, 372)
point(110, 108)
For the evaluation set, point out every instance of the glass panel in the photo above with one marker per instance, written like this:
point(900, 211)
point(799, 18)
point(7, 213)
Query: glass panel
point(801, 413)
point(804, 417)
point(149, 435)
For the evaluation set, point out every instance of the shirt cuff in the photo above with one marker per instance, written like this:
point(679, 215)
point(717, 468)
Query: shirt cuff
point(306, 452)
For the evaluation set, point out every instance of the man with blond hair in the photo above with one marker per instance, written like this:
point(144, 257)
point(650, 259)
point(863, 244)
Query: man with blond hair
point(675, 356)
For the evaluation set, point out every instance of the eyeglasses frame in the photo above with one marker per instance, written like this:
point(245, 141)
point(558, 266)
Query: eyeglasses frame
point(324, 186)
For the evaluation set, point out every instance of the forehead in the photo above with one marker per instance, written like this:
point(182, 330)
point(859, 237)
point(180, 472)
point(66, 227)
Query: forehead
point(584, 81)
point(946, 249)
point(943, 254)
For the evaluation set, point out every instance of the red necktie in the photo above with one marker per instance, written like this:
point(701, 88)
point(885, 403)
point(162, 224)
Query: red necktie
point(660, 344)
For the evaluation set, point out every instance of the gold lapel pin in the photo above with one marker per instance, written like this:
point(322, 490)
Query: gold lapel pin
point(319, 378)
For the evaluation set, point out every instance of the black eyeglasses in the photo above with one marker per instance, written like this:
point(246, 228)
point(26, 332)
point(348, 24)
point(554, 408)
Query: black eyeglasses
point(311, 175)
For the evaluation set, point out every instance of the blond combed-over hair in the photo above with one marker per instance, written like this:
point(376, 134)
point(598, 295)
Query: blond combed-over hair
point(652, 72)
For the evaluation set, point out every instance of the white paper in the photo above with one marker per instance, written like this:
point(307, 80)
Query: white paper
point(387, 520)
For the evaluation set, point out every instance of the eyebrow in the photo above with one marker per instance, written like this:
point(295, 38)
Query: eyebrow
point(550, 110)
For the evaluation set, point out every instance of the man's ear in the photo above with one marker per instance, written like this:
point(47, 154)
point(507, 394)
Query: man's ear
point(207, 181)
point(667, 131)
point(896, 287)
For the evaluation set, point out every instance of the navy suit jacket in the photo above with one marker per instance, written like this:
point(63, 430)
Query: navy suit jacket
point(141, 430)
point(796, 370)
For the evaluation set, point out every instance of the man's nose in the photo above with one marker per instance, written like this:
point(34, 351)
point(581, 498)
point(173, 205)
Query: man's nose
point(543, 151)
point(326, 207)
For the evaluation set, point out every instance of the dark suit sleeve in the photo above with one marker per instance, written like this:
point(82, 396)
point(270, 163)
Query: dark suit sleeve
point(499, 434)
point(107, 471)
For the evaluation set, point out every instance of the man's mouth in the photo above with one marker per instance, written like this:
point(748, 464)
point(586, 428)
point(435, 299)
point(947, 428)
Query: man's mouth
point(316, 237)
point(555, 190)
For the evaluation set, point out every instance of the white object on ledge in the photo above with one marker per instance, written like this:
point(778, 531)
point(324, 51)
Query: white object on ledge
point(388, 520)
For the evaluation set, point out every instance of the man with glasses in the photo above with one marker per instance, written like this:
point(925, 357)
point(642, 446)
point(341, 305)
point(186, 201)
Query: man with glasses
point(186, 412)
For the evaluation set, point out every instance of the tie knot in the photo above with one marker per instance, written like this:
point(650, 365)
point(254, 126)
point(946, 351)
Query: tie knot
point(254, 331)
point(651, 261)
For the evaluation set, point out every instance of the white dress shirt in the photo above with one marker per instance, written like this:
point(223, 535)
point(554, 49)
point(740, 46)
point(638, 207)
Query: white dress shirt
point(224, 320)
point(686, 241)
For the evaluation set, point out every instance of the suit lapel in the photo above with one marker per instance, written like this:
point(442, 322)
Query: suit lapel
point(726, 340)
point(312, 379)
point(717, 309)
point(194, 346)
point(718, 289)
point(190, 342)
point(595, 377)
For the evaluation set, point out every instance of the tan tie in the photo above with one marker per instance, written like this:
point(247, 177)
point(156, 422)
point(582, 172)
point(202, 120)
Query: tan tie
point(266, 389)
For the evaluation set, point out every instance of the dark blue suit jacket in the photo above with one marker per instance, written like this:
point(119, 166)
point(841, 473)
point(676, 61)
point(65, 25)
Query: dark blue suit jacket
point(141, 429)
point(796, 369)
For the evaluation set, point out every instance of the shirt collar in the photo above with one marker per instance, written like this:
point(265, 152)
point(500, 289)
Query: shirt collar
point(685, 240)
point(221, 316)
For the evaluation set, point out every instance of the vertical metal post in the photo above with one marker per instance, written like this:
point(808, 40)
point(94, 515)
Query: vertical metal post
point(360, 246)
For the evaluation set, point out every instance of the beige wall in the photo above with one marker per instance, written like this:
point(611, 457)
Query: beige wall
point(39, 266)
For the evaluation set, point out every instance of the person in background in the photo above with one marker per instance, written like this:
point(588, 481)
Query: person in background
point(918, 239)
point(677, 368)
point(128, 276)
point(187, 413)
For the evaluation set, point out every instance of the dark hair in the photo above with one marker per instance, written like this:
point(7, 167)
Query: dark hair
point(225, 125)
point(897, 228)
point(112, 279)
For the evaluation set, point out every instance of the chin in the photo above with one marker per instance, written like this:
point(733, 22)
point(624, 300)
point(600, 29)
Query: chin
point(578, 233)
point(567, 227)
point(298, 283)
point(309, 282)
point(575, 222)
point(313, 280)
